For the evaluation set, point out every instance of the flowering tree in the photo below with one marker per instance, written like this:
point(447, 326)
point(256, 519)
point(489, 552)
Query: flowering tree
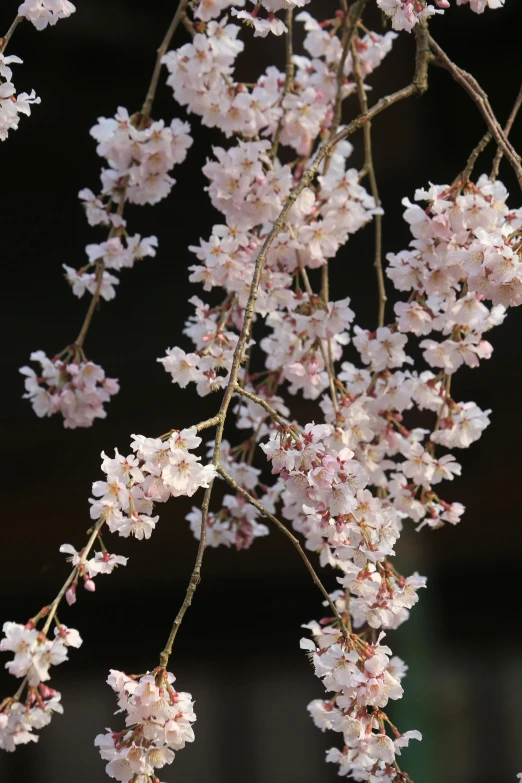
point(346, 485)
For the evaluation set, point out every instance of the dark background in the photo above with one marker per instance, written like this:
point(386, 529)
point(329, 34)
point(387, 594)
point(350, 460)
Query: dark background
point(237, 651)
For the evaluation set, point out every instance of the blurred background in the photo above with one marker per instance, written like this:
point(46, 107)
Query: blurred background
point(238, 649)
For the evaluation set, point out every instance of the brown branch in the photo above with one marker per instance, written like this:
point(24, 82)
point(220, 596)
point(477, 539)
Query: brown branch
point(370, 171)
point(195, 579)
point(7, 37)
point(350, 22)
point(289, 79)
point(507, 130)
point(479, 97)
point(290, 537)
point(264, 404)
point(151, 92)
point(465, 176)
point(326, 353)
point(141, 122)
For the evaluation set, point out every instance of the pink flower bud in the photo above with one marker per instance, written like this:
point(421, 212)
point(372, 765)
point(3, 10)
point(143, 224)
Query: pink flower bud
point(45, 691)
point(442, 3)
point(89, 585)
point(70, 595)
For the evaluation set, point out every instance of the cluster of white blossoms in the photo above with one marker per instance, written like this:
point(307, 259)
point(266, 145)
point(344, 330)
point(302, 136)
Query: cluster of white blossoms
point(363, 678)
point(139, 159)
point(44, 12)
point(34, 654)
point(11, 104)
point(70, 385)
point(113, 254)
point(202, 78)
point(159, 722)
point(405, 14)
point(157, 470)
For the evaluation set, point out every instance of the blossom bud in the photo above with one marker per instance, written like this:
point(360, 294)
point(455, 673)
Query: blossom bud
point(89, 584)
point(70, 595)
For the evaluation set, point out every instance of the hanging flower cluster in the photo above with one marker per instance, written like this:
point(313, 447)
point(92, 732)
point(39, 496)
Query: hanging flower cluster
point(158, 719)
point(11, 104)
point(45, 12)
point(34, 655)
point(157, 470)
point(405, 14)
point(70, 385)
point(139, 161)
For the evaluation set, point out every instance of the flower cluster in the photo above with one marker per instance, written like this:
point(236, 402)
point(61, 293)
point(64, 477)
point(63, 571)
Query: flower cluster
point(271, 23)
point(101, 563)
point(11, 104)
point(34, 652)
point(19, 720)
point(139, 158)
point(363, 678)
point(44, 12)
point(405, 14)
point(158, 719)
point(323, 493)
point(465, 234)
point(34, 655)
point(157, 470)
point(112, 254)
point(202, 78)
point(68, 385)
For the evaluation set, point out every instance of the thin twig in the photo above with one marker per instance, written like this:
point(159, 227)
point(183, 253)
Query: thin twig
point(83, 559)
point(290, 537)
point(479, 97)
point(195, 579)
point(151, 92)
point(264, 404)
point(507, 130)
point(350, 22)
point(326, 353)
point(370, 171)
point(464, 178)
point(141, 122)
point(7, 37)
point(289, 79)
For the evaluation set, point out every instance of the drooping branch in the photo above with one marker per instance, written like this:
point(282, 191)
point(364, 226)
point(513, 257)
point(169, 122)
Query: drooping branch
point(370, 171)
point(7, 37)
point(262, 510)
point(263, 403)
point(289, 79)
point(194, 581)
point(477, 94)
point(141, 120)
point(507, 131)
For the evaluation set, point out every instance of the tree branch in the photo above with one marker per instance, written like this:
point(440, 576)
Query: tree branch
point(7, 37)
point(477, 94)
point(369, 168)
point(141, 122)
point(507, 130)
point(290, 537)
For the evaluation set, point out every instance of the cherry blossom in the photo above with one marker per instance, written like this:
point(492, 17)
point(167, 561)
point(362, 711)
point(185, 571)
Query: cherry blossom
point(44, 12)
point(159, 721)
point(74, 387)
point(11, 104)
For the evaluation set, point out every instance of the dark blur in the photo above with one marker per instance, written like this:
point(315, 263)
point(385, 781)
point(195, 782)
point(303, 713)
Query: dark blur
point(237, 651)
